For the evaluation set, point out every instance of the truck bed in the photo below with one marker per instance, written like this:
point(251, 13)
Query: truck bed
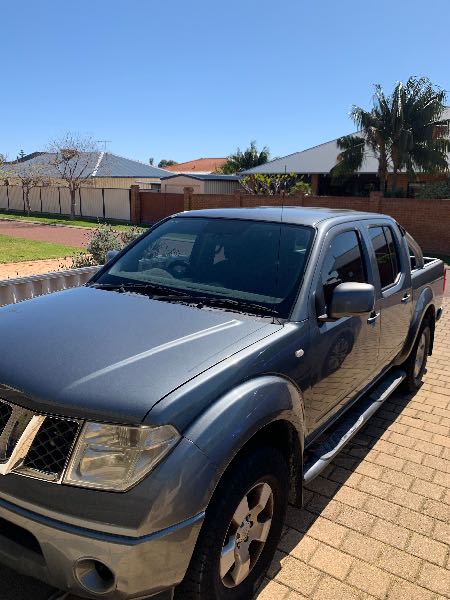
point(430, 275)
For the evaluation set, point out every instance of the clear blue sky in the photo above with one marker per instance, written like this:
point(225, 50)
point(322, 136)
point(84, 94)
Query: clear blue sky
point(179, 79)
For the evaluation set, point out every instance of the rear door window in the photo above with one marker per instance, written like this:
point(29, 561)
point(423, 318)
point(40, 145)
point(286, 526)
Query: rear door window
point(386, 254)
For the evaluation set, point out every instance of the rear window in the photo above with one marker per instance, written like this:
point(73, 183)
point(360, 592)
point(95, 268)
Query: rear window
point(386, 254)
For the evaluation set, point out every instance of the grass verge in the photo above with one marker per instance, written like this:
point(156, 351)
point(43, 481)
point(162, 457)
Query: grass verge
point(14, 249)
point(57, 220)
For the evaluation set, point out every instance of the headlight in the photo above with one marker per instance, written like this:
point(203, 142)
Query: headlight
point(115, 457)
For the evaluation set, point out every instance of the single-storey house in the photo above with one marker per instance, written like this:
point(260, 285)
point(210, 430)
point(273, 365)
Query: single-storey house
point(199, 165)
point(201, 183)
point(101, 169)
point(315, 164)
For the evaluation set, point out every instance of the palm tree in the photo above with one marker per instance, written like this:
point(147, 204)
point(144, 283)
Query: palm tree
point(241, 161)
point(404, 131)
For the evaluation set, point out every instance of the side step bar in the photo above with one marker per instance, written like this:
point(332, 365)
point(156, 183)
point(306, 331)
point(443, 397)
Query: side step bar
point(323, 452)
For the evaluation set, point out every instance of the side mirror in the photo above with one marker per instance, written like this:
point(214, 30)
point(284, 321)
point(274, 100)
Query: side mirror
point(351, 299)
point(111, 254)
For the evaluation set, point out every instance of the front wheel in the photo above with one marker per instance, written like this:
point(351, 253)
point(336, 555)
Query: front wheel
point(416, 363)
point(242, 528)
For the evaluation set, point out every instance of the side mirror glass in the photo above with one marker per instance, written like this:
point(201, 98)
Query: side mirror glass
point(111, 254)
point(351, 299)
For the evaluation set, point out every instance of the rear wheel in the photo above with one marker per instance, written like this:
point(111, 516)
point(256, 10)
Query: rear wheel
point(416, 363)
point(242, 528)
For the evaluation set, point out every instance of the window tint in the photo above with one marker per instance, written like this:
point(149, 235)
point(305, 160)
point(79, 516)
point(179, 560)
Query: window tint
point(386, 254)
point(392, 251)
point(343, 263)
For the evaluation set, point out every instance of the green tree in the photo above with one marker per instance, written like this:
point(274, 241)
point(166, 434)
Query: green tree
point(241, 161)
point(166, 163)
point(405, 131)
point(274, 185)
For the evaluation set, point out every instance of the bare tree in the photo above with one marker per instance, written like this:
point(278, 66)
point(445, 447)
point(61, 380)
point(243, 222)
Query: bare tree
point(30, 176)
point(4, 172)
point(75, 160)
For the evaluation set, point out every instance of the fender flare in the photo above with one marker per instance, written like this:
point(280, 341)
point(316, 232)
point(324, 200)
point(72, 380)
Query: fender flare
point(424, 301)
point(235, 418)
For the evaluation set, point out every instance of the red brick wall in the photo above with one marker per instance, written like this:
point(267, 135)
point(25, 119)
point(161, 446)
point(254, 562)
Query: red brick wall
point(426, 220)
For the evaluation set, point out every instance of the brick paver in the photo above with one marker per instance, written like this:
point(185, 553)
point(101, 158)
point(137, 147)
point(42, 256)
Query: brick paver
point(376, 524)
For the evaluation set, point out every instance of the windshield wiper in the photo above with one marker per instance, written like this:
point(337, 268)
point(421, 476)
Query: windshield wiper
point(173, 295)
point(236, 305)
point(132, 287)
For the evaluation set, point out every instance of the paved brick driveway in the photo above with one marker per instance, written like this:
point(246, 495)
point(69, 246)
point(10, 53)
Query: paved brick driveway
point(71, 236)
point(377, 523)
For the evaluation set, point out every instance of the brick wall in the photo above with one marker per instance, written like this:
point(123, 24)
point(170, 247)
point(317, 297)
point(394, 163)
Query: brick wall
point(426, 220)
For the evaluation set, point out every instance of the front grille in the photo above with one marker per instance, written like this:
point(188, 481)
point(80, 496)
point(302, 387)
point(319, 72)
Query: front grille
point(5, 413)
point(33, 444)
point(51, 446)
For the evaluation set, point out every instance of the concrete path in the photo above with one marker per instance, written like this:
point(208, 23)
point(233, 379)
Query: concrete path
point(71, 236)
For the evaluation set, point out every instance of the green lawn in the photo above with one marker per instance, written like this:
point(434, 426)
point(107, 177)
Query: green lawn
point(14, 249)
point(56, 220)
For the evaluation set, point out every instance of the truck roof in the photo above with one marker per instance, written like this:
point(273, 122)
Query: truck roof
point(298, 215)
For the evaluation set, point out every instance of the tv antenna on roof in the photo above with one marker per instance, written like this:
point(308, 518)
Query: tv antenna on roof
point(104, 142)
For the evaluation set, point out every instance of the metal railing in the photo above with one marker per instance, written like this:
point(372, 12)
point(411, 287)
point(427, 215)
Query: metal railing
point(24, 288)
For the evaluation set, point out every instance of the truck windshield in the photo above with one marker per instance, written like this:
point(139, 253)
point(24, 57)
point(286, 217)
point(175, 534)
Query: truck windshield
point(247, 262)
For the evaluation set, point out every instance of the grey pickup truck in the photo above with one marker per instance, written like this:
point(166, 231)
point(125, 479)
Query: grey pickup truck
point(155, 423)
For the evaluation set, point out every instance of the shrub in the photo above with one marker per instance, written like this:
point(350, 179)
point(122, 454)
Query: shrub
point(434, 189)
point(129, 234)
point(103, 239)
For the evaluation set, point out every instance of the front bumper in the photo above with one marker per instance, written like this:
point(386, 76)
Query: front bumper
point(136, 567)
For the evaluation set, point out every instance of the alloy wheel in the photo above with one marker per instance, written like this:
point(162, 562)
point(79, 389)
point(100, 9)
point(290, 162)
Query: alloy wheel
point(247, 534)
point(421, 353)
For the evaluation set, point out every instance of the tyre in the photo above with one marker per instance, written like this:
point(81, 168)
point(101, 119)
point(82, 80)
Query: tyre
point(241, 530)
point(416, 363)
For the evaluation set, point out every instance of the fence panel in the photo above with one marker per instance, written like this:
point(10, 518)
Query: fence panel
point(16, 197)
point(117, 204)
point(65, 201)
point(92, 202)
point(35, 200)
point(3, 196)
point(50, 200)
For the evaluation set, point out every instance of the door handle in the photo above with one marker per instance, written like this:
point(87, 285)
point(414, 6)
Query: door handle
point(405, 298)
point(373, 318)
